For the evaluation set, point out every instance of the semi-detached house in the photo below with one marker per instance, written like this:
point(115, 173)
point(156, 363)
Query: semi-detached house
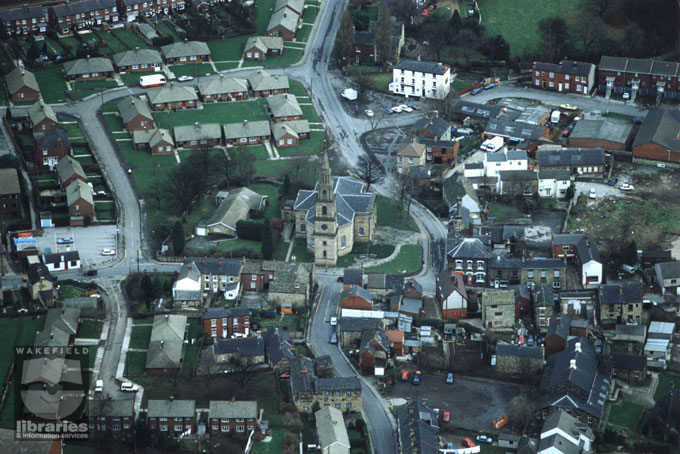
point(221, 323)
point(553, 183)
point(421, 79)
point(138, 60)
point(223, 89)
point(198, 135)
point(186, 52)
point(263, 84)
point(247, 133)
point(133, 9)
point(260, 47)
point(135, 114)
point(289, 133)
point(172, 97)
point(171, 417)
point(232, 417)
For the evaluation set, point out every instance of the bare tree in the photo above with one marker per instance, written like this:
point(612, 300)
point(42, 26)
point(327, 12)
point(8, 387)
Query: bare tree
point(243, 166)
point(345, 39)
point(383, 35)
point(468, 42)
point(241, 370)
point(406, 10)
point(588, 34)
point(404, 191)
point(445, 106)
point(600, 7)
point(364, 83)
point(522, 407)
point(157, 192)
point(377, 118)
point(369, 171)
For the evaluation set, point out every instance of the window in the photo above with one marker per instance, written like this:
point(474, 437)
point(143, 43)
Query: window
point(240, 419)
point(213, 333)
point(361, 231)
point(551, 84)
point(303, 227)
point(348, 405)
point(213, 322)
point(551, 75)
point(164, 428)
point(343, 242)
point(337, 406)
point(178, 427)
point(240, 429)
point(459, 264)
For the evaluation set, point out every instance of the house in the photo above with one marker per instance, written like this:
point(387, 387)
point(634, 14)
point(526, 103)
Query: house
point(579, 304)
point(499, 310)
point(88, 69)
point(412, 307)
point(525, 445)
point(80, 201)
point(172, 97)
point(278, 349)
point(342, 393)
point(462, 109)
point(135, 9)
point(260, 47)
point(567, 76)
point(604, 134)
point(331, 431)
point(159, 141)
point(559, 327)
point(41, 284)
point(505, 161)
point(221, 323)
point(580, 249)
point(440, 152)
point(563, 433)
point(651, 257)
point(657, 138)
point(10, 195)
point(232, 417)
point(173, 417)
point(335, 215)
point(579, 161)
point(237, 206)
point(263, 84)
point(519, 360)
point(42, 117)
point(502, 237)
point(553, 183)
point(632, 369)
point(302, 383)
point(60, 324)
point(374, 350)
point(138, 60)
point(249, 349)
point(22, 85)
point(635, 76)
point(620, 303)
point(529, 136)
point(217, 274)
point(528, 272)
point(223, 89)
point(283, 107)
point(417, 429)
point(285, 282)
point(135, 114)
point(451, 295)
point(296, 6)
point(289, 133)
point(472, 253)
point(186, 290)
point(432, 127)
point(668, 277)
point(113, 416)
point(351, 329)
point(51, 146)
point(517, 182)
point(544, 306)
point(573, 381)
point(186, 52)
point(198, 135)
point(283, 23)
point(80, 15)
point(247, 133)
point(410, 154)
point(69, 170)
point(421, 79)
point(25, 20)
point(62, 261)
point(352, 277)
point(166, 345)
point(396, 338)
point(356, 298)
point(366, 50)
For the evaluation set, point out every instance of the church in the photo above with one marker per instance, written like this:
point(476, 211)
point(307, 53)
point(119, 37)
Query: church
point(337, 213)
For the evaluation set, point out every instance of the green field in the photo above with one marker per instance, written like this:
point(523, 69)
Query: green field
point(238, 243)
point(289, 57)
point(625, 415)
point(408, 261)
point(140, 336)
point(221, 113)
point(504, 212)
point(89, 329)
point(112, 43)
point(129, 38)
point(227, 49)
point(664, 387)
point(192, 69)
point(388, 215)
point(134, 363)
point(52, 85)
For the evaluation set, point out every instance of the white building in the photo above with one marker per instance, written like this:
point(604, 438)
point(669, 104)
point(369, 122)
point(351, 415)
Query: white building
point(187, 287)
point(553, 183)
point(474, 170)
point(62, 261)
point(330, 428)
point(505, 160)
point(562, 433)
point(421, 79)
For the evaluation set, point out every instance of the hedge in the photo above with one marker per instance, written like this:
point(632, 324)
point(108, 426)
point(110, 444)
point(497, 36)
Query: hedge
point(249, 230)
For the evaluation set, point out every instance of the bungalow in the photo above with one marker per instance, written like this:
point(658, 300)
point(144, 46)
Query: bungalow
point(283, 107)
point(166, 345)
point(553, 183)
point(51, 146)
point(237, 206)
point(22, 85)
point(451, 295)
point(138, 60)
point(232, 417)
point(260, 47)
point(80, 202)
point(172, 417)
point(25, 20)
point(69, 170)
point(356, 298)
point(223, 89)
point(668, 277)
point(247, 133)
point(243, 348)
point(135, 114)
point(198, 135)
point(283, 23)
point(159, 141)
point(41, 117)
point(263, 84)
point(88, 69)
point(186, 52)
point(410, 154)
point(62, 261)
point(289, 133)
point(579, 161)
point(604, 134)
point(172, 97)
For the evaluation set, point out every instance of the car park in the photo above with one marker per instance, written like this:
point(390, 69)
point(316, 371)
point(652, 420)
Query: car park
point(449, 378)
point(129, 387)
point(484, 439)
point(414, 107)
point(369, 113)
point(467, 442)
point(475, 91)
point(395, 109)
point(185, 78)
point(626, 187)
point(568, 107)
point(446, 417)
point(108, 252)
point(592, 194)
point(65, 240)
point(405, 108)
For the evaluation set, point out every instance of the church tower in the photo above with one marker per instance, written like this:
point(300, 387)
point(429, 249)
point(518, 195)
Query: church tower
point(325, 220)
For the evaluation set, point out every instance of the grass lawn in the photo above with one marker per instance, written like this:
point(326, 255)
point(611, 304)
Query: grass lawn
point(517, 21)
point(288, 321)
point(85, 160)
point(92, 356)
point(309, 114)
point(289, 57)
point(407, 261)
point(664, 387)
point(502, 211)
point(89, 329)
point(129, 38)
point(52, 84)
point(199, 212)
point(66, 291)
point(191, 349)
point(148, 177)
point(380, 81)
point(226, 66)
point(307, 147)
point(275, 446)
point(192, 69)
point(113, 44)
point(625, 415)
point(488, 449)
point(134, 363)
point(72, 129)
point(300, 252)
point(272, 193)
point(114, 122)
point(263, 13)
point(142, 157)
point(132, 79)
point(270, 169)
point(238, 243)
point(140, 336)
point(259, 151)
point(297, 89)
point(309, 15)
point(227, 49)
point(103, 214)
point(222, 113)
point(386, 215)
point(112, 106)
point(70, 44)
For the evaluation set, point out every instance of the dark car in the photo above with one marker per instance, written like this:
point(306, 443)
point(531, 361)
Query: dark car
point(638, 120)
point(416, 378)
point(340, 279)
point(476, 91)
point(90, 272)
point(612, 181)
point(489, 86)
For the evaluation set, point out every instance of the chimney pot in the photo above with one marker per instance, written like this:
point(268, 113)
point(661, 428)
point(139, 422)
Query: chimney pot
point(572, 364)
point(245, 122)
point(167, 317)
point(137, 49)
point(233, 399)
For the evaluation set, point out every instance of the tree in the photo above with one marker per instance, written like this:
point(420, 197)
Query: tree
point(588, 35)
point(570, 193)
point(404, 190)
point(241, 369)
point(436, 30)
point(345, 39)
point(363, 83)
point(522, 408)
point(267, 248)
point(178, 242)
point(454, 26)
point(316, 406)
point(406, 10)
point(369, 171)
point(468, 42)
point(383, 35)
point(147, 288)
point(554, 34)
point(600, 7)
point(445, 106)
point(285, 188)
point(244, 166)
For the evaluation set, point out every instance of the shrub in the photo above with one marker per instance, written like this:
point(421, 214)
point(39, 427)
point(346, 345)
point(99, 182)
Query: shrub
point(161, 41)
point(249, 230)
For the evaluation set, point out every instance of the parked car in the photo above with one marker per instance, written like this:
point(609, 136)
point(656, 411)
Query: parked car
point(568, 107)
point(448, 445)
point(334, 321)
point(626, 187)
point(475, 91)
point(661, 165)
point(566, 131)
point(340, 279)
point(65, 240)
point(449, 378)
point(598, 347)
point(626, 96)
point(484, 439)
point(416, 378)
point(404, 375)
point(396, 109)
point(129, 388)
point(108, 252)
point(612, 181)
point(425, 12)
point(185, 78)
point(592, 194)
point(489, 86)
point(90, 272)
point(99, 386)
point(368, 112)
point(414, 107)
point(521, 340)
point(467, 442)
point(446, 416)
point(334, 337)
point(638, 120)
point(530, 340)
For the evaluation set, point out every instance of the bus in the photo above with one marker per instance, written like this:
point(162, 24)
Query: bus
point(154, 80)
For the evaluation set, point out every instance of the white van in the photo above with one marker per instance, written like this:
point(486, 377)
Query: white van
point(99, 386)
point(492, 145)
point(555, 117)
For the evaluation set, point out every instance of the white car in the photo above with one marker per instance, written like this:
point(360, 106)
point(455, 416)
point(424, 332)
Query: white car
point(368, 112)
point(185, 78)
point(626, 187)
point(129, 388)
point(108, 252)
point(626, 96)
point(592, 194)
point(334, 321)
point(99, 386)
point(405, 108)
point(396, 109)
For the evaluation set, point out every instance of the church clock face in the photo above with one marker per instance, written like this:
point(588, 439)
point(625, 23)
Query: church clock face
point(324, 227)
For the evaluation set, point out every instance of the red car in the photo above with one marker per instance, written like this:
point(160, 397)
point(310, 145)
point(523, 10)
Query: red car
point(404, 376)
point(425, 12)
point(468, 443)
point(446, 417)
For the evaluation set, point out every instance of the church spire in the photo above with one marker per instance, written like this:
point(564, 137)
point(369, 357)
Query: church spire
point(325, 179)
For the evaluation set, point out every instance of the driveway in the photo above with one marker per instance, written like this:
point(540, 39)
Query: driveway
point(88, 241)
point(473, 404)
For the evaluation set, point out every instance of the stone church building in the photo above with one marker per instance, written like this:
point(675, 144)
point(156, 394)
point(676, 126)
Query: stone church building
point(334, 215)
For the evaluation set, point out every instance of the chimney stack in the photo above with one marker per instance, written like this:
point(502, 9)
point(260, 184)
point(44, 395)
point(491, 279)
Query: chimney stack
point(245, 122)
point(162, 343)
point(233, 399)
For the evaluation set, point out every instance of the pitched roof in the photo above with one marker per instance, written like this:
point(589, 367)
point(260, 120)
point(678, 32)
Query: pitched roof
point(137, 57)
point(38, 271)
point(353, 276)
point(9, 181)
point(244, 346)
point(220, 85)
point(498, 297)
point(221, 312)
point(87, 66)
point(535, 263)
point(554, 174)
point(160, 136)
point(636, 65)
point(20, 77)
point(26, 12)
point(337, 384)
point(185, 49)
point(247, 129)
point(446, 284)
point(277, 346)
point(261, 80)
point(474, 109)
point(558, 444)
point(570, 157)
point(610, 130)
point(519, 351)
point(171, 409)
point(197, 131)
point(295, 5)
point(514, 130)
point(283, 105)
point(236, 207)
point(285, 18)
point(167, 342)
point(51, 139)
point(172, 93)
point(78, 189)
point(559, 325)
point(571, 67)
point(357, 291)
point(566, 423)
point(418, 429)
point(301, 375)
point(39, 111)
point(60, 257)
point(624, 293)
point(330, 426)
point(661, 127)
point(63, 319)
point(224, 409)
point(469, 248)
point(436, 125)
point(629, 362)
point(264, 43)
point(282, 130)
point(667, 270)
point(218, 267)
point(68, 166)
point(132, 106)
point(83, 6)
point(411, 149)
point(359, 324)
point(586, 249)
point(430, 67)
point(111, 407)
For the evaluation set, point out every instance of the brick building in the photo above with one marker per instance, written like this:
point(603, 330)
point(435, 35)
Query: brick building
point(22, 85)
point(646, 77)
point(232, 417)
point(356, 298)
point(657, 138)
point(135, 114)
point(172, 417)
point(51, 146)
point(111, 416)
point(90, 68)
point(221, 323)
point(567, 76)
point(604, 134)
point(25, 20)
point(10, 195)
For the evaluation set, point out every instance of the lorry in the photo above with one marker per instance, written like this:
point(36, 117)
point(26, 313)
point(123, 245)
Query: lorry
point(494, 144)
point(349, 94)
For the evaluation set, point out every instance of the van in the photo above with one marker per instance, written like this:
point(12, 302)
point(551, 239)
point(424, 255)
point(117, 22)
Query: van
point(492, 145)
point(91, 272)
point(555, 117)
point(99, 386)
point(334, 338)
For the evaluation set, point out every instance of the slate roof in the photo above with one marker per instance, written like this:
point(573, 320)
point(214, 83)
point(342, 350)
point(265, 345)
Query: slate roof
point(330, 427)
point(371, 335)
point(38, 271)
point(172, 93)
point(67, 166)
point(51, 139)
point(557, 443)
point(197, 132)
point(498, 297)
point(436, 125)
point(111, 407)
point(218, 86)
point(570, 157)
point(518, 175)
point(519, 351)
point(667, 270)
point(357, 291)
point(661, 127)
point(39, 111)
point(236, 206)
point(54, 337)
point(359, 324)
point(247, 129)
point(474, 109)
point(380, 281)
point(132, 106)
point(221, 312)
point(629, 362)
point(411, 149)
point(353, 276)
point(554, 174)
point(171, 409)
point(301, 376)
point(283, 105)
point(160, 135)
point(624, 293)
point(26, 12)
point(225, 409)
point(217, 267)
point(469, 248)
point(185, 49)
point(446, 284)
point(571, 67)
point(567, 423)
point(417, 429)
point(167, 342)
point(411, 305)
point(264, 43)
point(20, 77)
point(286, 18)
point(277, 346)
point(59, 257)
point(337, 383)
point(610, 130)
point(137, 57)
point(9, 182)
point(80, 7)
point(261, 80)
point(559, 325)
point(586, 249)
point(544, 296)
point(537, 263)
point(514, 130)
point(636, 65)
point(295, 5)
point(63, 319)
point(430, 67)
point(244, 347)
point(502, 233)
point(88, 66)
point(78, 189)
